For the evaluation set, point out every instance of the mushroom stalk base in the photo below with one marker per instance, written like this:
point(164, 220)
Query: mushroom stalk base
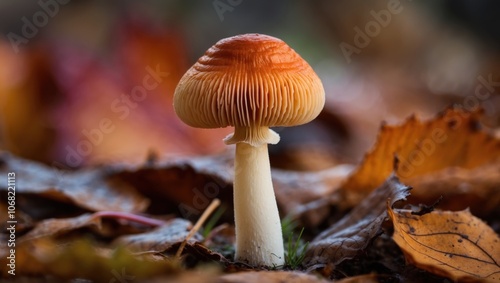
point(259, 239)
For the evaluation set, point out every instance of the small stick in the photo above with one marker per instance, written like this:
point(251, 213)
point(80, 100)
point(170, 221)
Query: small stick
point(129, 216)
point(213, 205)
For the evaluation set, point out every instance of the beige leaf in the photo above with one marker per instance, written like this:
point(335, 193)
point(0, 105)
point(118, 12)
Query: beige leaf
point(456, 245)
point(451, 141)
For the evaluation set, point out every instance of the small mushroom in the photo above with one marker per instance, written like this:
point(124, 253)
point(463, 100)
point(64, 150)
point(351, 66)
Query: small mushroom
point(251, 82)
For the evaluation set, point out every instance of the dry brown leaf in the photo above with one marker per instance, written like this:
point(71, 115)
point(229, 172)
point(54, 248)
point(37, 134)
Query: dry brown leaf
point(352, 233)
point(456, 245)
point(52, 227)
point(159, 239)
point(56, 227)
point(89, 189)
point(184, 186)
point(452, 139)
point(271, 276)
point(477, 188)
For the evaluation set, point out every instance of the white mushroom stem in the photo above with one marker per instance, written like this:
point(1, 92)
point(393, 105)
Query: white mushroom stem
point(259, 239)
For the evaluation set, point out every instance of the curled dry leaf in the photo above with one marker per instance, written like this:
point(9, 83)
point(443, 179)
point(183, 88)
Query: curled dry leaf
point(456, 245)
point(271, 276)
point(451, 140)
point(352, 233)
point(89, 189)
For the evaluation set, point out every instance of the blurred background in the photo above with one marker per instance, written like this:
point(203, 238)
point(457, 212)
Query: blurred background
point(90, 82)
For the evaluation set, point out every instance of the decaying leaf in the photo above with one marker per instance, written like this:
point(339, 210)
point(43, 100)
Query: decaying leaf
point(352, 233)
point(159, 239)
point(477, 188)
point(181, 185)
point(167, 239)
point(456, 245)
point(58, 226)
point(452, 140)
point(307, 194)
point(50, 227)
point(271, 276)
point(89, 189)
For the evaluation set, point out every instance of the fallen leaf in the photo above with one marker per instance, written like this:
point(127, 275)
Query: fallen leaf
point(167, 239)
point(89, 188)
point(305, 196)
point(184, 186)
point(452, 140)
point(270, 276)
point(159, 239)
point(52, 227)
point(56, 227)
point(353, 233)
point(477, 188)
point(456, 245)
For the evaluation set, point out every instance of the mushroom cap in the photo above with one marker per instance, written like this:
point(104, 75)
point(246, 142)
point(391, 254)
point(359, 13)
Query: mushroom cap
point(249, 80)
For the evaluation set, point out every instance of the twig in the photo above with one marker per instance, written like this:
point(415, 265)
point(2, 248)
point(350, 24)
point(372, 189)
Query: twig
point(129, 216)
point(213, 205)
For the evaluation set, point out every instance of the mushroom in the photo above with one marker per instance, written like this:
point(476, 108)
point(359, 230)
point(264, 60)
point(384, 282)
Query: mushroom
point(251, 82)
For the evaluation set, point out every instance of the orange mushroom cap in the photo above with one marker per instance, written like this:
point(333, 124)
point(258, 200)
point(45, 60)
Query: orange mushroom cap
point(249, 80)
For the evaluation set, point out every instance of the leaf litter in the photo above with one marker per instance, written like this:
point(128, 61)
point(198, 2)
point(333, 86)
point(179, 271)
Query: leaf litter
point(170, 194)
